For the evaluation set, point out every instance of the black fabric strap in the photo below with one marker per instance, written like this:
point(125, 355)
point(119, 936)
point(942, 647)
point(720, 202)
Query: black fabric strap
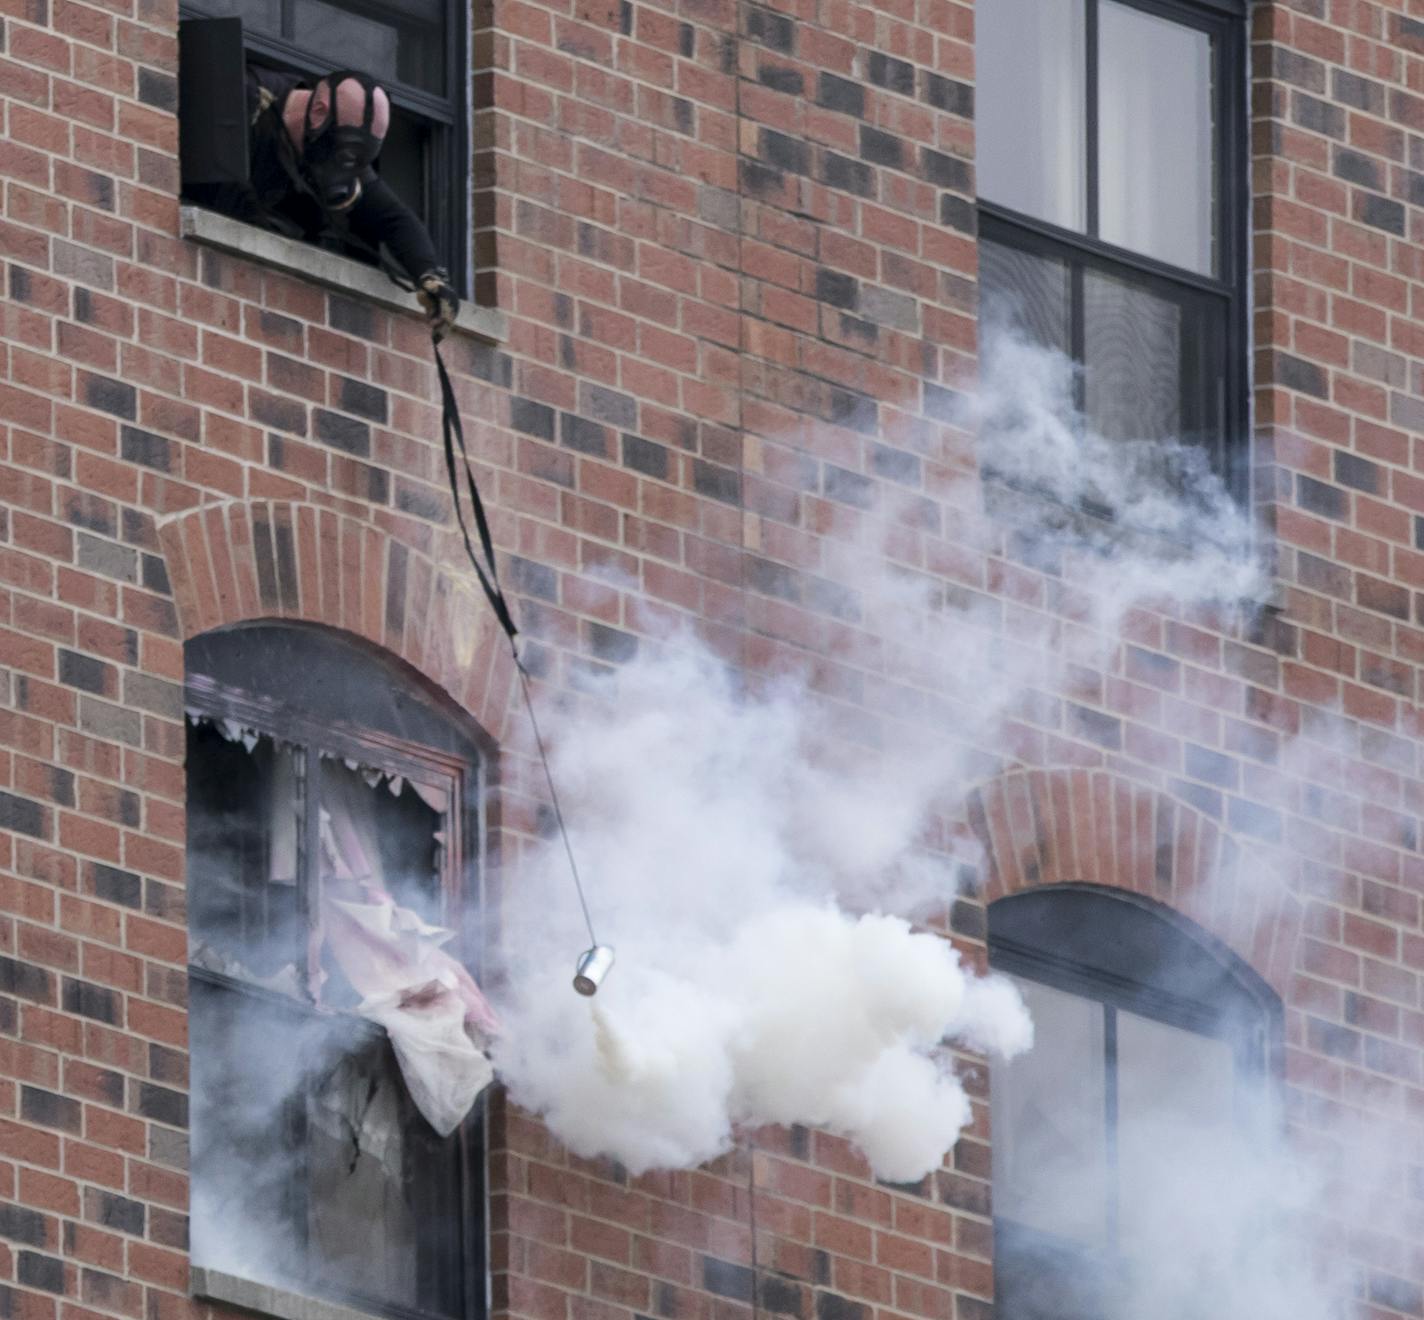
point(486, 571)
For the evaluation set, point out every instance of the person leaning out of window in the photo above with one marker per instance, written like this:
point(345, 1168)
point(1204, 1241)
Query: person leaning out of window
point(312, 149)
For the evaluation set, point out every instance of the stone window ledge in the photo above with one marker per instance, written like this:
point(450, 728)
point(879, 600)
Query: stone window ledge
point(212, 229)
point(262, 1298)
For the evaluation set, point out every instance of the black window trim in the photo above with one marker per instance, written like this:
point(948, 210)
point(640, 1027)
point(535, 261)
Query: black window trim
point(450, 193)
point(1226, 22)
point(454, 753)
point(1115, 918)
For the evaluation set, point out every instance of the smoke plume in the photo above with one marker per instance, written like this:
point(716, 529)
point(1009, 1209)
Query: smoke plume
point(753, 847)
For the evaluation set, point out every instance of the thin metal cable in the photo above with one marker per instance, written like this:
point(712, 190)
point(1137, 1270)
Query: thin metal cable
point(553, 792)
point(488, 574)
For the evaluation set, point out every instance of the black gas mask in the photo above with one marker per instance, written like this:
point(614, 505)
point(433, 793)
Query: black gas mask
point(335, 155)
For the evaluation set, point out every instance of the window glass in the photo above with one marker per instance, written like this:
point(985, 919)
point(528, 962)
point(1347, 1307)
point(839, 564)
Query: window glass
point(248, 1211)
point(1175, 1090)
point(258, 15)
point(1155, 161)
point(400, 45)
point(1027, 293)
point(1132, 344)
point(1155, 359)
point(1049, 1121)
point(404, 161)
point(1029, 107)
point(381, 1183)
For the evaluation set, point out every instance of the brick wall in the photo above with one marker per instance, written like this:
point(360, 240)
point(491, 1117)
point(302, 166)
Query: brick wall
point(735, 246)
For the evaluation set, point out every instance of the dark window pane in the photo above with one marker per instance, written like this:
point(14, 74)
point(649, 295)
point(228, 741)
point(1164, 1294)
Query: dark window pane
point(1029, 104)
point(385, 1205)
point(1039, 1278)
point(1156, 189)
point(405, 160)
point(315, 1170)
point(401, 43)
point(250, 1057)
point(1027, 293)
point(245, 915)
point(257, 15)
point(1133, 350)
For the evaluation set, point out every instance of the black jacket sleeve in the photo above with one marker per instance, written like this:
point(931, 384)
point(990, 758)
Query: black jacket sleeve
point(379, 216)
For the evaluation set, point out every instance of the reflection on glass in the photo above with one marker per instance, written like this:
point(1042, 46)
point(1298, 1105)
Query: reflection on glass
point(256, 15)
point(348, 39)
point(1156, 175)
point(1175, 1093)
point(1029, 111)
point(1133, 356)
point(404, 44)
point(1025, 293)
point(1049, 1111)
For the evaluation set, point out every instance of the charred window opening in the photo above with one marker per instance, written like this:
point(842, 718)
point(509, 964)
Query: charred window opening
point(1153, 1046)
point(328, 862)
point(413, 49)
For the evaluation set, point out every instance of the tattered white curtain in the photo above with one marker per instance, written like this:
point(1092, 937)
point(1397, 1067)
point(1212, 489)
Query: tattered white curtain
point(438, 1022)
point(429, 1005)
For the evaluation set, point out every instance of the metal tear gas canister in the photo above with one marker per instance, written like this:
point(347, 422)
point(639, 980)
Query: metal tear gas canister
point(593, 965)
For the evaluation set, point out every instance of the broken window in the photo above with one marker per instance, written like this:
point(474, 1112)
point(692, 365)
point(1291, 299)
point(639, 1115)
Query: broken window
point(412, 49)
point(1151, 1049)
point(336, 1029)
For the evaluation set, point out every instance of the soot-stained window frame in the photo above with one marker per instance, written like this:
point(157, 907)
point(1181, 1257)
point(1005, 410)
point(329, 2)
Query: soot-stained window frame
point(1126, 952)
point(1084, 252)
point(447, 210)
point(311, 688)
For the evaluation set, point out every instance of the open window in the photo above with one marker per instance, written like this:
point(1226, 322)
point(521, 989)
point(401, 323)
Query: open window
point(1154, 1050)
point(413, 48)
point(335, 1027)
point(1112, 205)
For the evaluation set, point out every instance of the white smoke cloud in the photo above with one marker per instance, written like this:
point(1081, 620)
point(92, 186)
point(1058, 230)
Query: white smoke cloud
point(748, 843)
point(741, 995)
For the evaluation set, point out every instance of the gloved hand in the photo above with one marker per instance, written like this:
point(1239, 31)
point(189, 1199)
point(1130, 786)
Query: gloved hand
point(440, 301)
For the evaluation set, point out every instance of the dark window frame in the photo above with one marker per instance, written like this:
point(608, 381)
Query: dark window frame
point(445, 167)
point(277, 679)
point(1226, 22)
point(1114, 947)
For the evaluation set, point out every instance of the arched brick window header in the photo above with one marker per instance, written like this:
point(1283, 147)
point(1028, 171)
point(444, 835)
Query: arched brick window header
point(240, 562)
point(335, 679)
point(1095, 827)
point(1093, 940)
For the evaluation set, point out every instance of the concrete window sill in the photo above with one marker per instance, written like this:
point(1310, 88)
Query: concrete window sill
point(312, 263)
point(215, 1286)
